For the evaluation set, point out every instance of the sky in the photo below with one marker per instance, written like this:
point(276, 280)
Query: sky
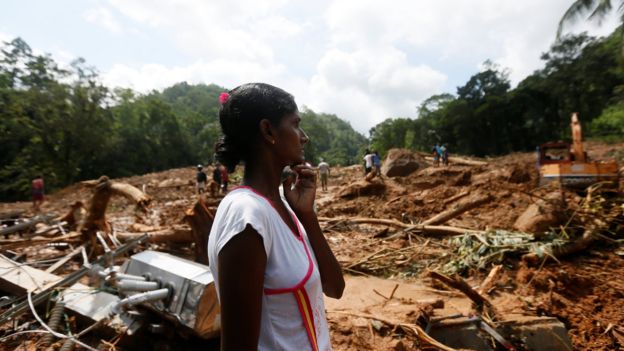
point(363, 60)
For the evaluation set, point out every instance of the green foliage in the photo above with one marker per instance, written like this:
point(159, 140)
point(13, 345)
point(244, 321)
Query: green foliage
point(581, 74)
point(610, 123)
point(331, 138)
point(66, 126)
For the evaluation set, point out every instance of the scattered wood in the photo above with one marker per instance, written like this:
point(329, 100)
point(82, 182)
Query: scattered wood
point(26, 225)
point(456, 282)
point(96, 217)
point(177, 234)
point(454, 212)
point(48, 230)
point(590, 235)
point(95, 220)
point(58, 264)
point(200, 219)
point(128, 191)
point(393, 291)
point(425, 229)
point(457, 197)
point(75, 215)
point(411, 329)
point(455, 160)
point(12, 244)
point(11, 214)
point(491, 278)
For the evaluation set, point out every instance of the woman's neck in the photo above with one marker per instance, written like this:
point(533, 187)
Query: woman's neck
point(263, 175)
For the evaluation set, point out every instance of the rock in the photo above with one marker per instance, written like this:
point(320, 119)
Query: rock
point(518, 174)
point(363, 188)
point(462, 179)
point(540, 216)
point(401, 163)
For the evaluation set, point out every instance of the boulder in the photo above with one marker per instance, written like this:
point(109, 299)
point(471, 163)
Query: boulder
point(540, 216)
point(363, 188)
point(401, 163)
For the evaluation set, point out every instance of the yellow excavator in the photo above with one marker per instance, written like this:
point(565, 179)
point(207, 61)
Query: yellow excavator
point(569, 165)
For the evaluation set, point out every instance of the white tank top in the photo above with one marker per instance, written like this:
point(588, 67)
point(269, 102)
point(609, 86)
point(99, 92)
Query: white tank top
point(293, 312)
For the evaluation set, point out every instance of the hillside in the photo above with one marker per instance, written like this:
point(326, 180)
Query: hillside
point(387, 265)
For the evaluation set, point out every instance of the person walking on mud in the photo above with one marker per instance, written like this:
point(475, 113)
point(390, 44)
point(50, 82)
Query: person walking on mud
point(435, 151)
point(270, 261)
point(377, 163)
point(201, 179)
point(323, 168)
point(368, 162)
point(38, 192)
point(444, 149)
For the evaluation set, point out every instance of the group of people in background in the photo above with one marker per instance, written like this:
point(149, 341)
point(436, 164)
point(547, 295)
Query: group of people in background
point(219, 183)
point(372, 163)
point(440, 153)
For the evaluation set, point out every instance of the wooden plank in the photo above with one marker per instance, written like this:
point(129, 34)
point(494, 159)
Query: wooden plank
point(65, 259)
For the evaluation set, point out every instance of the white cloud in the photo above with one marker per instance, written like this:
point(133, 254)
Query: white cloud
point(363, 60)
point(102, 16)
point(371, 85)
point(5, 37)
point(157, 76)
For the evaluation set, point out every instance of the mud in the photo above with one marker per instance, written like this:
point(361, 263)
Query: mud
point(585, 292)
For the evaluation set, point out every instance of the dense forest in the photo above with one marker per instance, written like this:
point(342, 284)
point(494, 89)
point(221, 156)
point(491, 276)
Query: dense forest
point(62, 123)
point(485, 117)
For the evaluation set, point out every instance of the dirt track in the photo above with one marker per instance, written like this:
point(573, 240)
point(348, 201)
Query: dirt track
point(585, 292)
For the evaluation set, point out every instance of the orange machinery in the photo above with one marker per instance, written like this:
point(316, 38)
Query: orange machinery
point(569, 165)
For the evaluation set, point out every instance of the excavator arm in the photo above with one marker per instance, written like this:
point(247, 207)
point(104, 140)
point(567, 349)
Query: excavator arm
point(577, 140)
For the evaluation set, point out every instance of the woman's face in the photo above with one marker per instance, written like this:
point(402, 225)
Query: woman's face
point(291, 139)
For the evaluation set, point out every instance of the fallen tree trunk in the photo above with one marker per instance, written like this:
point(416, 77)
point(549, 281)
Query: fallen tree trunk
point(557, 251)
point(25, 225)
point(200, 219)
point(96, 213)
point(454, 212)
point(95, 220)
point(171, 235)
point(12, 244)
point(456, 282)
point(455, 160)
point(425, 229)
point(487, 283)
point(413, 329)
point(128, 191)
point(75, 215)
point(457, 197)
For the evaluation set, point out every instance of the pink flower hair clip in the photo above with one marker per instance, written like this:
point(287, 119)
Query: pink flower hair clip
point(223, 98)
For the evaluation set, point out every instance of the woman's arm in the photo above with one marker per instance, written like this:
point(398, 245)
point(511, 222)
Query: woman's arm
point(301, 200)
point(242, 262)
point(329, 268)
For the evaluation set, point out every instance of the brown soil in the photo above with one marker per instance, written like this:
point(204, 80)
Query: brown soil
point(585, 292)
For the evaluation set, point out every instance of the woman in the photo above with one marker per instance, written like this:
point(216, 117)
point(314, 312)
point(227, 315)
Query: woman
point(269, 258)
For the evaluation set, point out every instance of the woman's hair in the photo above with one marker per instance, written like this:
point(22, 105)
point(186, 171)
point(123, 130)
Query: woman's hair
point(240, 117)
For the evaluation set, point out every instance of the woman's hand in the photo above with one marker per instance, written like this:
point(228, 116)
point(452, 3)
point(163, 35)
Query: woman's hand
point(301, 197)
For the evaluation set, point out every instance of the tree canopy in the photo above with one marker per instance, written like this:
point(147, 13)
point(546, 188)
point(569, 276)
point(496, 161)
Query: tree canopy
point(62, 123)
point(485, 117)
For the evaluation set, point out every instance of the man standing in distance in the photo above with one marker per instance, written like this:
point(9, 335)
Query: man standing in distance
point(323, 168)
point(37, 192)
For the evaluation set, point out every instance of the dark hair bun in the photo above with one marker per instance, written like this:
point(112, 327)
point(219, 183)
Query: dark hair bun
point(240, 118)
point(227, 154)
